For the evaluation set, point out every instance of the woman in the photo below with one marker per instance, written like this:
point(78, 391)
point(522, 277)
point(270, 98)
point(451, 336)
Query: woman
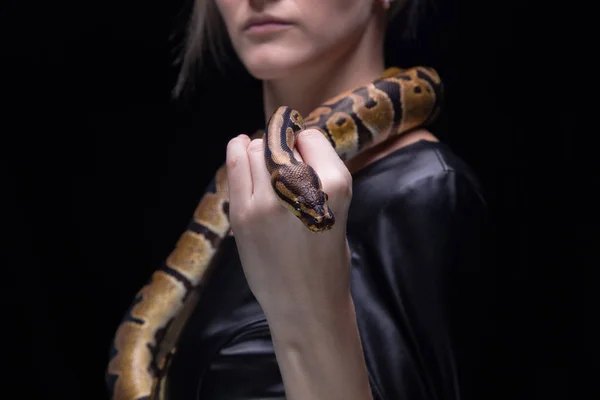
point(376, 306)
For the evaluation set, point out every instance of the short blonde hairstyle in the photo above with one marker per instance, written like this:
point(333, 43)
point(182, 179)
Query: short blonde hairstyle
point(206, 34)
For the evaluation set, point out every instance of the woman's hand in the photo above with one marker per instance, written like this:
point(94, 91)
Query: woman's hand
point(290, 269)
point(300, 278)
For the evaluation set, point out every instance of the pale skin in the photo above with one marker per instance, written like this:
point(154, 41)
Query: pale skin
point(301, 278)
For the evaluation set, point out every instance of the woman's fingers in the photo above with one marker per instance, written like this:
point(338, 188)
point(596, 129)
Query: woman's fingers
point(319, 154)
point(260, 175)
point(251, 193)
point(239, 177)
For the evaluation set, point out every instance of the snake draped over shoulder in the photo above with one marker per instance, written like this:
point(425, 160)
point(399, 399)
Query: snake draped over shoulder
point(398, 101)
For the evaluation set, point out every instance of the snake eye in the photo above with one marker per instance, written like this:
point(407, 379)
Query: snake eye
point(297, 206)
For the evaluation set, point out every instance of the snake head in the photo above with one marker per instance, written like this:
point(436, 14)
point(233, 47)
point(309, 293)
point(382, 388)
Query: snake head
point(314, 212)
point(299, 189)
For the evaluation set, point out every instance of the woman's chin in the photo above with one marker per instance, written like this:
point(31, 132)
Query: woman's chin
point(272, 65)
point(271, 71)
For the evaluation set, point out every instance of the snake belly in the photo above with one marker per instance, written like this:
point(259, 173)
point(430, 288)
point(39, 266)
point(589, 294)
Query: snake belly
point(399, 101)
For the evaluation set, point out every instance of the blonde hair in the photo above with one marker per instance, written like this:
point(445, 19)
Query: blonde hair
point(206, 33)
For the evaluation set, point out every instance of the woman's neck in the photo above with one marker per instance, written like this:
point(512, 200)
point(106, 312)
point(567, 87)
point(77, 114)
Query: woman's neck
point(310, 85)
point(304, 92)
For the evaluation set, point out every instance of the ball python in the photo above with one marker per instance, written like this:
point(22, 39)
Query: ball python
point(398, 101)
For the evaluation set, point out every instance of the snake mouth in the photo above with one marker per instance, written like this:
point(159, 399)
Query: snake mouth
point(319, 224)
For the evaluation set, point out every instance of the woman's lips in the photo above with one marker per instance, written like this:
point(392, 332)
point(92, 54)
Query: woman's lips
point(265, 25)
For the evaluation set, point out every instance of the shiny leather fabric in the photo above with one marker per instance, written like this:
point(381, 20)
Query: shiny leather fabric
point(415, 229)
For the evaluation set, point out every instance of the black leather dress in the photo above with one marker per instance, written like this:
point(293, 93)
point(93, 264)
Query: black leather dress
point(415, 230)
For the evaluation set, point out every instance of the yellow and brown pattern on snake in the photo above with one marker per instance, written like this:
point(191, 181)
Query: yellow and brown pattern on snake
point(144, 344)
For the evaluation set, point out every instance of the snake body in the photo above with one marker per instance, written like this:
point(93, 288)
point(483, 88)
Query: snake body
point(400, 100)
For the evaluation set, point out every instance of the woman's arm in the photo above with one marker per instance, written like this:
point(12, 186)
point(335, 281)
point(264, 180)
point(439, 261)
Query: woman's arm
point(320, 354)
point(300, 278)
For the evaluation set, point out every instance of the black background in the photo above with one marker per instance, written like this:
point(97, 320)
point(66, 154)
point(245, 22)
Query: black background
point(103, 170)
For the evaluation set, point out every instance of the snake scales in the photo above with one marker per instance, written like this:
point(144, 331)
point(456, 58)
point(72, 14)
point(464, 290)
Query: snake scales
point(400, 100)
